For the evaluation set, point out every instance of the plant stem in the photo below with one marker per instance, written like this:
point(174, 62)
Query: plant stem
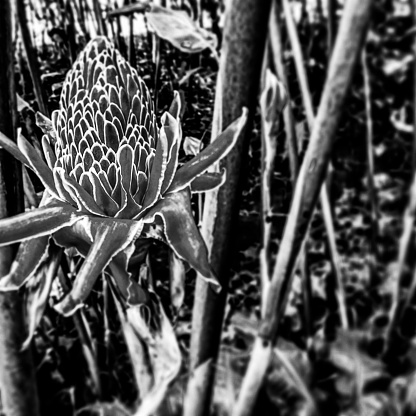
point(324, 197)
point(17, 375)
point(370, 174)
point(239, 77)
point(311, 177)
point(31, 57)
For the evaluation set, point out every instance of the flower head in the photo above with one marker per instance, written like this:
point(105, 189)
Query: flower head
point(110, 171)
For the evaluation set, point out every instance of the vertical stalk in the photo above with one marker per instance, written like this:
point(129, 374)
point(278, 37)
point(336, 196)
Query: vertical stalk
point(239, 77)
point(350, 37)
point(17, 377)
point(370, 173)
point(331, 24)
point(31, 56)
point(324, 197)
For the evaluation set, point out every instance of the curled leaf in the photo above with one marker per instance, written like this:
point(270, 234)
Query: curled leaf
point(179, 29)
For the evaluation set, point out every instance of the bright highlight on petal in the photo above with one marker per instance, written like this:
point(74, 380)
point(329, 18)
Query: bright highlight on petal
point(108, 169)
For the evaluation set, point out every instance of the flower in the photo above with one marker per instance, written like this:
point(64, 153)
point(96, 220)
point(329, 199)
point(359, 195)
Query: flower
point(110, 175)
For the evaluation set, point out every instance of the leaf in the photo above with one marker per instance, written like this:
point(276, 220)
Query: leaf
point(139, 6)
point(29, 257)
point(208, 181)
point(163, 354)
point(191, 146)
point(218, 149)
point(171, 128)
point(13, 149)
point(21, 103)
point(109, 238)
point(177, 280)
point(37, 223)
point(158, 171)
point(175, 108)
point(38, 291)
point(37, 164)
point(45, 124)
point(182, 234)
point(179, 29)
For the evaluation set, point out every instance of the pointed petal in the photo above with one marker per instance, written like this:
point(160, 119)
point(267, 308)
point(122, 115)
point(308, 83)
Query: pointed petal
point(158, 171)
point(182, 233)
point(30, 255)
point(176, 105)
point(218, 149)
point(48, 151)
point(37, 223)
point(110, 237)
point(37, 164)
point(79, 194)
point(171, 128)
point(12, 148)
point(208, 181)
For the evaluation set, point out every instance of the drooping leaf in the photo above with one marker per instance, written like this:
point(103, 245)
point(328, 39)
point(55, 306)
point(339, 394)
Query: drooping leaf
point(109, 238)
point(182, 234)
point(13, 149)
point(211, 154)
point(208, 181)
point(179, 29)
point(30, 255)
point(37, 223)
point(38, 292)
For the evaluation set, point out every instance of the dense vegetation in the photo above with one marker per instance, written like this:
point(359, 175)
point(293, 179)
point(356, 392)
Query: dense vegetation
point(310, 234)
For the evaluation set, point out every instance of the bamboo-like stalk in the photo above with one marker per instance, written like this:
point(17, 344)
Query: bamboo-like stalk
point(31, 57)
point(370, 173)
point(324, 197)
point(291, 140)
point(101, 28)
point(331, 24)
point(17, 375)
point(311, 177)
point(398, 307)
point(239, 76)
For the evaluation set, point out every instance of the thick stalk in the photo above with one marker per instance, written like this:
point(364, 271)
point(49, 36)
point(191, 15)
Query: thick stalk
point(311, 177)
point(240, 67)
point(17, 377)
